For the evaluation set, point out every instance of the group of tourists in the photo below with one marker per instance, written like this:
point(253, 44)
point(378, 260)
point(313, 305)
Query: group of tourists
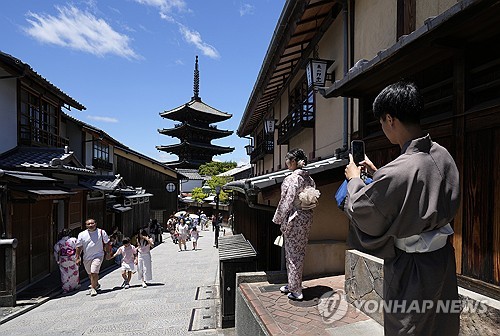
point(184, 228)
point(96, 245)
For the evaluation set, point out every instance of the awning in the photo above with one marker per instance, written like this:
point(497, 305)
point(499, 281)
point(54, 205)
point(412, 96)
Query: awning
point(43, 191)
point(271, 179)
point(26, 176)
point(464, 23)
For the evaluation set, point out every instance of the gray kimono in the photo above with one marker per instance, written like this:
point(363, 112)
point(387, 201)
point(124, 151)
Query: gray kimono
point(295, 225)
point(411, 199)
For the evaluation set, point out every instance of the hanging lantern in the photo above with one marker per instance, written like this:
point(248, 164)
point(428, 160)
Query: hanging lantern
point(316, 72)
point(249, 149)
point(269, 126)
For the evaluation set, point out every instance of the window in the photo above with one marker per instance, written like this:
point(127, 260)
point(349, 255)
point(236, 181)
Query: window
point(406, 17)
point(39, 121)
point(301, 112)
point(101, 151)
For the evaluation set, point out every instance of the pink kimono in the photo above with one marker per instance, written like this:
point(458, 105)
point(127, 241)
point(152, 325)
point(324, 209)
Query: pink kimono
point(64, 252)
point(295, 225)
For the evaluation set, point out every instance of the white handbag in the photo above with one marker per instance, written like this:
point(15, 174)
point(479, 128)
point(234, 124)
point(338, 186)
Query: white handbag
point(279, 241)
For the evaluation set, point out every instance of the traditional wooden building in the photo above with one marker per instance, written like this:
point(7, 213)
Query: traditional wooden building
point(195, 131)
point(56, 171)
point(39, 194)
point(447, 47)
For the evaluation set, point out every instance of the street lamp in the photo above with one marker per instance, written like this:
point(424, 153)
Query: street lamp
point(206, 189)
point(217, 224)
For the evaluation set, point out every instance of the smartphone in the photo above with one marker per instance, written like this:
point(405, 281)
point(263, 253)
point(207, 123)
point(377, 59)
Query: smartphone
point(358, 151)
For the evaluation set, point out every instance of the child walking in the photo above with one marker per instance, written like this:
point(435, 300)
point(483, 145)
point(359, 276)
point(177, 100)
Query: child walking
point(144, 266)
point(129, 260)
point(194, 237)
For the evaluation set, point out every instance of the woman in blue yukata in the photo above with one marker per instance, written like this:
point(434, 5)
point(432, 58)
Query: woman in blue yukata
point(294, 214)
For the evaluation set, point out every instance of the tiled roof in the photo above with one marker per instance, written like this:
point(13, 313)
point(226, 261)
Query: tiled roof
point(274, 178)
point(43, 158)
point(103, 182)
point(197, 106)
point(236, 170)
point(25, 70)
point(26, 176)
point(191, 174)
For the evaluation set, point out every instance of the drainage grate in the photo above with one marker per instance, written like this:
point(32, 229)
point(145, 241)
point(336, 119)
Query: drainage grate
point(203, 319)
point(207, 293)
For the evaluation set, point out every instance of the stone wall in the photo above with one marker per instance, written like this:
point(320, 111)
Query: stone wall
point(364, 279)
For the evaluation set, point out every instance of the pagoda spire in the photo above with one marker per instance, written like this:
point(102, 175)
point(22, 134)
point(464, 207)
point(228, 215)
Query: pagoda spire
point(196, 85)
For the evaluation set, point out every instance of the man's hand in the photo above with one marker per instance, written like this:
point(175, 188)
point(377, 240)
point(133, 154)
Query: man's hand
point(368, 165)
point(351, 170)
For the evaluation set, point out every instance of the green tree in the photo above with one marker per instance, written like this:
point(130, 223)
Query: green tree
point(198, 195)
point(219, 181)
point(215, 167)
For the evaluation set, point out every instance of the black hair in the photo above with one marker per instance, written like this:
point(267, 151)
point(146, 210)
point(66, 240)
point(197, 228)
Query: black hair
point(125, 240)
point(401, 100)
point(142, 233)
point(296, 154)
point(63, 233)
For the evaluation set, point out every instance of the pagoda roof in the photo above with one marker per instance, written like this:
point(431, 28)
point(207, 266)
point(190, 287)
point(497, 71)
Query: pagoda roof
point(181, 130)
point(185, 164)
point(196, 109)
point(187, 145)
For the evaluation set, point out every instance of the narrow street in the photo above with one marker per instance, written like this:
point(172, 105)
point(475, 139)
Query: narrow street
point(182, 299)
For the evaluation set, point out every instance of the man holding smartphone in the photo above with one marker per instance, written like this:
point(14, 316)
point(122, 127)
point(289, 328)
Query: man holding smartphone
point(404, 217)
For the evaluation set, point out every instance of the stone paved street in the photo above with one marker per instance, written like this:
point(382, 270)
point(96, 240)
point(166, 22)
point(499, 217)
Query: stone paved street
point(182, 299)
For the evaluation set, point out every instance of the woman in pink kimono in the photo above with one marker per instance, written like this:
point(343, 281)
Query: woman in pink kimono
point(294, 215)
point(64, 253)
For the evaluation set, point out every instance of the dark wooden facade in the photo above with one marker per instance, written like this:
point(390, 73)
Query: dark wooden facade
point(153, 182)
point(462, 113)
point(258, 228)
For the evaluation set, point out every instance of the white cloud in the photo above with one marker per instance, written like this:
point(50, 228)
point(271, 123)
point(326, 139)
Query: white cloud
point(166, 157)
point(179, 62)
point(243, 161)
point(246, 9)
point(103, 119)
point(166, 8)
point(79, 30)
point(193, 37)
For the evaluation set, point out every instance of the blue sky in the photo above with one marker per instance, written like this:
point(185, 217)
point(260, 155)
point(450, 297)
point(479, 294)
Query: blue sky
point(128, 60)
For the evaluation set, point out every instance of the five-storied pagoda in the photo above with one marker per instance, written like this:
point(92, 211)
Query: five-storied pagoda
point(195, 131)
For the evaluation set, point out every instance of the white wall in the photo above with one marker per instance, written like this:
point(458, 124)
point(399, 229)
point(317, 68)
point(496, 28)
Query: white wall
point(190, 185)
point(8, 113)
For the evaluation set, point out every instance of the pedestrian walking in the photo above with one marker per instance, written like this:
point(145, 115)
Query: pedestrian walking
point(182, 231)
point(295, 220)
point(194, 237)
point(404, 217)
point(129, 260)
point(144, 262)
point(92, 242)
point(65, 255)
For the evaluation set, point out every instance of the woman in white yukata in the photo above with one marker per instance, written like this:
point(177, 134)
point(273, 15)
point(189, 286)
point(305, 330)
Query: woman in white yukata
point(144, 264)
point(295, 219)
